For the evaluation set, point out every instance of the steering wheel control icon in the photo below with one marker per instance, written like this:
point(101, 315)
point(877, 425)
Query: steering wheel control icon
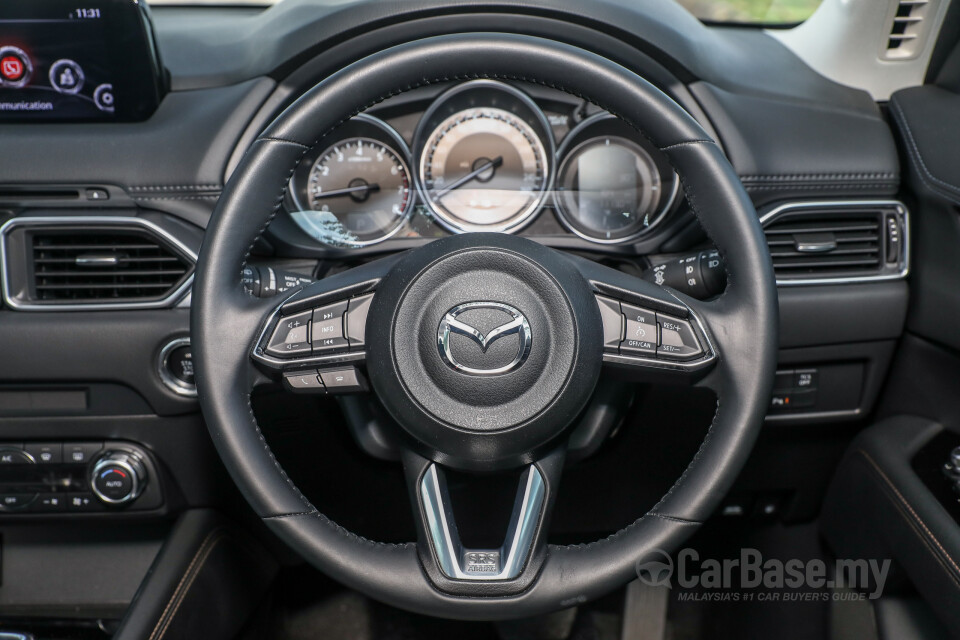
point(66, 76)
point(15, 67)
point(655, 569)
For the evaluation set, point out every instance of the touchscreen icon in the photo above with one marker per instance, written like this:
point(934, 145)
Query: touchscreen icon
point(103, 97)
point(15, 67)
point(66, 76)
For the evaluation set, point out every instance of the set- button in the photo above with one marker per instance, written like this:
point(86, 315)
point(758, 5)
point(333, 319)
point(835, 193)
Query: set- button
point(633, 330)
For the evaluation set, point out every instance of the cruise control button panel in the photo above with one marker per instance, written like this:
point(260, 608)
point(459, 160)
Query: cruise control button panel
point(640, 336)
point(632, 330)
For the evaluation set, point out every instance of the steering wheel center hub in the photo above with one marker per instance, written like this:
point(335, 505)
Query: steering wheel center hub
point(484, 347)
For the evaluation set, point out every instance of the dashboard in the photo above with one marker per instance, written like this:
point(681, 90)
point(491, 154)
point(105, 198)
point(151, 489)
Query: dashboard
point(816, 158)
point(481, 155)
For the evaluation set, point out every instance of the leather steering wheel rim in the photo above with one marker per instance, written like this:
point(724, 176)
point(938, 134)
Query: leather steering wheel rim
point(224, 321)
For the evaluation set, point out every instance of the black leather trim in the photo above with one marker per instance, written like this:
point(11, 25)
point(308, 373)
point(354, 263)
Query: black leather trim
point(789, 148)
point(744, 320)
point(926, 118)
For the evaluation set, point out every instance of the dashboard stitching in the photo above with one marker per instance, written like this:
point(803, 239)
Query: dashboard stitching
point(790, 177)
point(833, 185)
point(174, 187)
point(213, 196)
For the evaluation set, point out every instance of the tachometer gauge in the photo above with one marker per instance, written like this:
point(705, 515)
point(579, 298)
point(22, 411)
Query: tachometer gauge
point(609, 187)
point(485, 158)
point(358, 190)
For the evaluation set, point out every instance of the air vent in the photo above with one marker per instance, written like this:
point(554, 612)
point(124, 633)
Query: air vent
point(828, 242)
point(907, 29)
point(93, 263)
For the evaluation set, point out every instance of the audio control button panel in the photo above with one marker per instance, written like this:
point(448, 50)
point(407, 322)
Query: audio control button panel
point(69, 477)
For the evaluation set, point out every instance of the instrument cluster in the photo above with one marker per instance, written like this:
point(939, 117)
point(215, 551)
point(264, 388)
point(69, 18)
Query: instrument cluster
point(482, 156)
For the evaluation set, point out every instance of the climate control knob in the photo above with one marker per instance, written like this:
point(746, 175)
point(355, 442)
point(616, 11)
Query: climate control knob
point(118, 477)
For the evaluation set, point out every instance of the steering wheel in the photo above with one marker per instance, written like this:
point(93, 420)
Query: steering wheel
point(484, 348)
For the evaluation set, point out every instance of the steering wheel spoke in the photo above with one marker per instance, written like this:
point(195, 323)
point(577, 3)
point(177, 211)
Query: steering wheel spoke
point(651, 333)
point(452, 565)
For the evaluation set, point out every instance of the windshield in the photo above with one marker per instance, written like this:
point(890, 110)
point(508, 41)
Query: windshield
point(758, 12)
point(766, 12)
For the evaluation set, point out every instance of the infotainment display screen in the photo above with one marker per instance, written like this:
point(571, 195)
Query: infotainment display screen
point(69, 61)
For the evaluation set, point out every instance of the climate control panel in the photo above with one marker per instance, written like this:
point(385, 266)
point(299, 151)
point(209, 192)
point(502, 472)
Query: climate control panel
point(76, 477)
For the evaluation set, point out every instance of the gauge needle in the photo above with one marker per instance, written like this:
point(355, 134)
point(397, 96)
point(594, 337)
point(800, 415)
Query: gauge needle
point(486, 166)
point(347, 191)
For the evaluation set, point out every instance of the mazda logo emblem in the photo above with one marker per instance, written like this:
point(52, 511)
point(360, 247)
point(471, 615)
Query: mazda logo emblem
point(450, 325)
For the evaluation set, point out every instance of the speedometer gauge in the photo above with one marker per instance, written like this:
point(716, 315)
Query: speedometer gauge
point(358, 190)
point(483, 164)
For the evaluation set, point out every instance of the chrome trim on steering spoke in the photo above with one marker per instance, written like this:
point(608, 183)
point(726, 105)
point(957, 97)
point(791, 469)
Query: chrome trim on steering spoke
point(504, 563)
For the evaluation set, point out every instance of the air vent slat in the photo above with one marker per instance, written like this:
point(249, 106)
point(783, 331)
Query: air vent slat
point(126, 261)
point(109, 274)
point(88, 285)
point(825, 264)
point(836, 252)
point(95, 247)
point(852, 243)
point(104, 265)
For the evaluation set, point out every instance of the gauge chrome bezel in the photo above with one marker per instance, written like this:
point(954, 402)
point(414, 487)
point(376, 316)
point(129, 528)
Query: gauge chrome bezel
point(402, 153)
point(570, 144)
point(428, 125)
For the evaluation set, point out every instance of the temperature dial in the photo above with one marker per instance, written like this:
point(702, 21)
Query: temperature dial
point(118, 477)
